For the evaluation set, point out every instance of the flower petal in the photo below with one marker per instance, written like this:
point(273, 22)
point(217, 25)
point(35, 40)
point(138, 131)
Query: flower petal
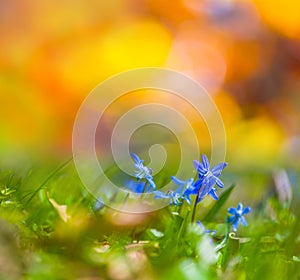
point(137, 187)
point(243, 221)
point(198, 223)
point(231, 219)
point(187, 199)
point(202, 193)
point(217, 169)
point(177, 181)
point(151, 182)
point(179, 190)
point(246, 210)
point(239, 207)
point(189, 182)
point(232, 210)
point(201, 170)
point(176, 199)
point(235, 225)
point(209, 183)
point(159, 194)
point(196, 164)
point(213, 194)
point(198, 184)
point(205, 162)
point(219, 183)
point(135, 157)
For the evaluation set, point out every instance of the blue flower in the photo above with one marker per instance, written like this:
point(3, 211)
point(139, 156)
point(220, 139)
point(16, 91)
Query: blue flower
point(142, 172)
point(186, 188)
point(135, 186)
point(208, 178)
point(176, 197)
point(237, 216)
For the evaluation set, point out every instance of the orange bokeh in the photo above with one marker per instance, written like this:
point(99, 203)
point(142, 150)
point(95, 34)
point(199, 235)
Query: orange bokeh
point(53, 53)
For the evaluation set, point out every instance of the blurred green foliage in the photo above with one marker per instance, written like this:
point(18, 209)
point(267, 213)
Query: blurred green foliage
point(49, 230)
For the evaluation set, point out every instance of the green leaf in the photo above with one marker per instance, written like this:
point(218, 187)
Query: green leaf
point(223, 198)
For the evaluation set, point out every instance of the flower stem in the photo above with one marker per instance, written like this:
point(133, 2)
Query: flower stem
point(195, 205)
point(180, 208)
point(144, 190)
point(125, 200)
point(182, 228)
point(145, 187)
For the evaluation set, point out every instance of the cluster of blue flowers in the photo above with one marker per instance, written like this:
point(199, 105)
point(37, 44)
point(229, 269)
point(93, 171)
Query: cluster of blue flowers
point(205, 184)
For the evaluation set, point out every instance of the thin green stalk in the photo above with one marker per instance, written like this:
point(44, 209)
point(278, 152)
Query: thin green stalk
point(180, 208)
point(168, 211)
point(226, 237)
point(182, 227)
point(125, 200)
point(46, 180)
point(145, 186)
point(144, 189)
point(195, 205)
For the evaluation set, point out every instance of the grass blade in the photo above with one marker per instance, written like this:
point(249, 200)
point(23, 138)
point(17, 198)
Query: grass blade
point(223, 198)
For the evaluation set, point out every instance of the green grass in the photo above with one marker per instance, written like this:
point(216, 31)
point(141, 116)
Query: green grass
point(49, 230)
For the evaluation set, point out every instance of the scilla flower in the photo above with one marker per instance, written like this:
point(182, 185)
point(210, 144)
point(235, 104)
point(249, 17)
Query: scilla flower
point(237, 216)
point(185, 187)
point(207, 178)
point(174, 197)
point(178, 196)
point(142, 172)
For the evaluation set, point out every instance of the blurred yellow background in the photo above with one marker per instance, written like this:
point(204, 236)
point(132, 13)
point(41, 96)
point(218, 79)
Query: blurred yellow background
point(245, 53)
